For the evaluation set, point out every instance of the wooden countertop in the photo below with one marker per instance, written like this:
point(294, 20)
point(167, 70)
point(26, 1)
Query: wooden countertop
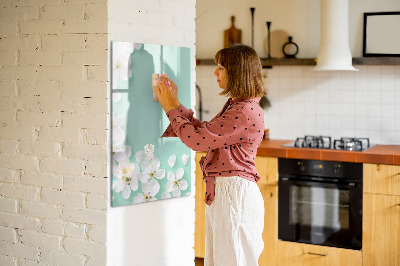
point(379, 154)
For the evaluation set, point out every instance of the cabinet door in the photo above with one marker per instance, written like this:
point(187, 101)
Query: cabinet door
point(381, 230)
point(267, 168)
point(200, 207)
point(381, 179)
point(270, 233)
point(297, 254)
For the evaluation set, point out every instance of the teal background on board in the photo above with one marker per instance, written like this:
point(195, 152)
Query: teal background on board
point(146, 121)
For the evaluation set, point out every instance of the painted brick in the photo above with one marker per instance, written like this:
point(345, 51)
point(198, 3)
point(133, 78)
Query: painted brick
point(7, 175)
point(8, 234)
point(41, 179)
point(97, 260)
point(84, 26)
point(40, 148)
point(7, 88)
point(8, 205)
point(84, 216)
point(60, 73)
point(18, 72)
point(25, 262)
point(8, 261)
point(86, 184)
point(63, 197)
point(98, 42)
point(19, 221)
point(39, 87)
point(39, 58)
point(25, 103)
point(8, 146)
point(61, 259)
point(85, 121)
point(62, 166)
point(40, 27)
point(17, 191)
point(84, 58)
point(96, 137)
point(18, 161)
point(66, 135)
point(97, 11)
point(98, 73)
point(53, 227)
point(38, 118)
point(95, 105)
point(35, 239)
point(16, 132)
point(8, 58)
point(85, 152)
point(31, 2)
point(18, 250)
point(97, 234)
point(84, 247)
point(94, 201)
point(75, 230)
point(7, 117)
point(19, 43)
point(98, 169)
point(62, 12)
point(55, 103)
point(67, 42)
point(18, 13)
point(38, 209)
point(87, 88)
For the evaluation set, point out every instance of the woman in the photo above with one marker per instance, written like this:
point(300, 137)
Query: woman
point(235, 207)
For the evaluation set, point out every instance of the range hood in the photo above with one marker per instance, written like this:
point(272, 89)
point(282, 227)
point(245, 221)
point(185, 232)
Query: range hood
point(334, 51)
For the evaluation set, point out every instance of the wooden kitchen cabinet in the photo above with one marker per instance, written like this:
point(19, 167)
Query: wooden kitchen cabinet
point(381, 215)
point(381, 230)
point(298, 254)
point(381, 179)
point(200, 207)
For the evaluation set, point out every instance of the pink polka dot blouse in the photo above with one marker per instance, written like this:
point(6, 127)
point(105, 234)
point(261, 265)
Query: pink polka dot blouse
point(231, 139)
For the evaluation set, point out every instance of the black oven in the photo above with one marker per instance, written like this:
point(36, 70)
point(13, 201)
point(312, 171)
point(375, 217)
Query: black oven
point(320, 202)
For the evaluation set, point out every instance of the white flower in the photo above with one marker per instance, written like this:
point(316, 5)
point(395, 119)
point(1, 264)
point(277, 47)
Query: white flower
point(118, 134)
point(121, 61)
point(149, 152)
point(175, 184)
point(127, 178)
point(149, 190)
point(185, 159)
point(165, 195)
point(172, 160)
point(150, 170)
point(140, 156)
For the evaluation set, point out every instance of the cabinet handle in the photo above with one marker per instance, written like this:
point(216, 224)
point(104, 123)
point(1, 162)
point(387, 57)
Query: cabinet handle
point(318, 254)
point(398, 204)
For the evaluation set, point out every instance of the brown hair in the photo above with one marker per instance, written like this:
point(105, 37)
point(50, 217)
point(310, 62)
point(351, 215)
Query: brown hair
point(245, 78)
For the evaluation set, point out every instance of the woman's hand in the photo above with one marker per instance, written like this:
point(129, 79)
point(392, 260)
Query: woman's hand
point(174, 90)
point(164, 94)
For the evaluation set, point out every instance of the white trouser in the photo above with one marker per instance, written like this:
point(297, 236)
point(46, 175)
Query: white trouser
point(234, 223)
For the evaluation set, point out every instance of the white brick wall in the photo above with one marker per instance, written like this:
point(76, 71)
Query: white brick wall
point(53, 114)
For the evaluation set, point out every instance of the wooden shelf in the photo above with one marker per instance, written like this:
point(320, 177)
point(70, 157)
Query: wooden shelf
point(312, 61)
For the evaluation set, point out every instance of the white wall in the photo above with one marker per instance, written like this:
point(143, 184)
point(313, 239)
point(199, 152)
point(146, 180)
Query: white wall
point(53, 135)
point(338, 104)
point(299, 18)
point(155, 233)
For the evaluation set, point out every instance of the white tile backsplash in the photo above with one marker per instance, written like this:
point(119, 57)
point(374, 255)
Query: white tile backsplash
point(364, 103)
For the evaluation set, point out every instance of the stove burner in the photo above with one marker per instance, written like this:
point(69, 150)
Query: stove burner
point(351, 144)
point(308, 141)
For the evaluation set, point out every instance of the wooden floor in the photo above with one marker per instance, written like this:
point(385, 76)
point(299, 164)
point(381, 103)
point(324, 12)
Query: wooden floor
point(199, 262)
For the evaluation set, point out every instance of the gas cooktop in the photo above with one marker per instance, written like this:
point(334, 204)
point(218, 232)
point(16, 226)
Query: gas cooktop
point(325, 142)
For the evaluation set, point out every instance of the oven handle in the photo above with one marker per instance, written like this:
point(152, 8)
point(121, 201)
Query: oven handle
point(297, 181)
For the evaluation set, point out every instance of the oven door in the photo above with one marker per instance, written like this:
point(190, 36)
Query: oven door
point(320, 212)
